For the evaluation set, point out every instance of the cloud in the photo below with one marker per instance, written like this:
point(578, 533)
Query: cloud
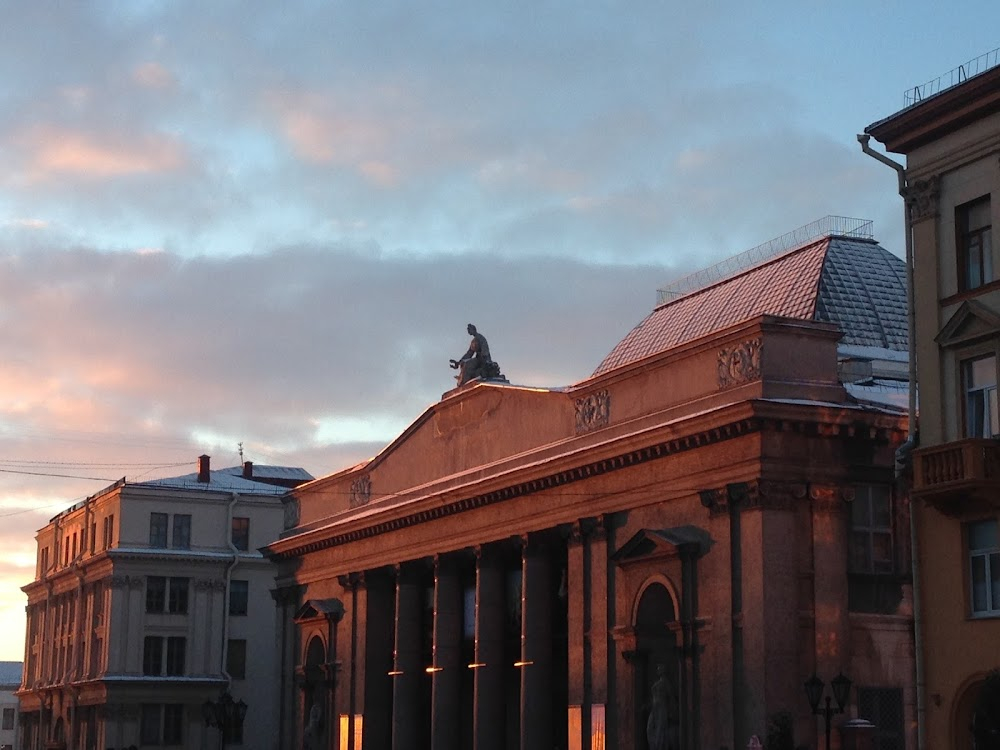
point(152, 75)
point(50, 153)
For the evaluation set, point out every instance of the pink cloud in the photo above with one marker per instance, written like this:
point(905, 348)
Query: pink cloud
point(152, 75)
point(54, 152)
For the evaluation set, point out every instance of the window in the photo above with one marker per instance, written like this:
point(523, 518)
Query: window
point(177, 601)
point(8, 718)
point(108, 530)
point(182, 532)
point(168, 595)
point(157, 529)
point(975, 251)
point(156, 593)
point(236, 659)
point(241, 533)
point(984, 567)
point(176, 651)
point(44, 562)
point(239, 594)
point(93, 536)
point(152, 655)
point(979, 381)
point(871, 531)
point(161, 724)
point(883, 707)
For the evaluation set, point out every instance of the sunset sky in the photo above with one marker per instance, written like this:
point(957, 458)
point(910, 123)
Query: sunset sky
point(270, 223)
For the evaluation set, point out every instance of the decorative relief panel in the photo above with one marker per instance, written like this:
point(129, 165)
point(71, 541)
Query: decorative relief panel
point(739, 364)
point(361, 491)
point(291, 512)
point(922, 198)
point(593, 411)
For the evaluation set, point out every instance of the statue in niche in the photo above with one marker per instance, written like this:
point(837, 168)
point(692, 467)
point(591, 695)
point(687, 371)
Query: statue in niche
point(311, 738)
point(662, 725)
point(476, 363)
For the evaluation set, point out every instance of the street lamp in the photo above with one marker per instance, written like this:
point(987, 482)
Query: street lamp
point(226, 714)
point(841, 685)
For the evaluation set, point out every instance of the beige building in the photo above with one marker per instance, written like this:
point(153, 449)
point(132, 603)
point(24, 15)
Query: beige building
point(148, 600)
point(10, 681)
point(951, 182)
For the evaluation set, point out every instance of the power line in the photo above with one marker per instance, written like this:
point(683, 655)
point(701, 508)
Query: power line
point(59, 476)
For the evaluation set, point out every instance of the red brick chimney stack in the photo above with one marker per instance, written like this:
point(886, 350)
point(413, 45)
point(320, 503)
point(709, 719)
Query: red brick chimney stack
point(248, 469)
point(204, 472)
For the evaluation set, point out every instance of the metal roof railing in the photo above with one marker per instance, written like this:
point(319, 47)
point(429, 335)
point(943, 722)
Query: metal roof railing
point(953, 77)
point(842, 226)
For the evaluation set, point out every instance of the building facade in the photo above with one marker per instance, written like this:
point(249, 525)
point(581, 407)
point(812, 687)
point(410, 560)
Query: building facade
point(657, 556)
point(10, 681)
point(149, 599)
point(952, 186)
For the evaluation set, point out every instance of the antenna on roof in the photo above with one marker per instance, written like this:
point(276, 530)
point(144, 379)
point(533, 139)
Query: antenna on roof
point(240, 446)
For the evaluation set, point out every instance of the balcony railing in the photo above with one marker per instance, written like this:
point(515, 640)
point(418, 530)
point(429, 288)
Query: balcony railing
point(969, 466)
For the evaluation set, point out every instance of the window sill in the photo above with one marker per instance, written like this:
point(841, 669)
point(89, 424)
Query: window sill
point(993, 286)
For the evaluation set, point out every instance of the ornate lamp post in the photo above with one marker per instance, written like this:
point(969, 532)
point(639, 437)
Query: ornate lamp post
point(841, 691)
point(224, 713)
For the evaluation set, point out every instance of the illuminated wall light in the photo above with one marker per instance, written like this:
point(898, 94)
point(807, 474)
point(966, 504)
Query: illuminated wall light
point(432, 670)
point(477, 665)
point(395, 673)
point(523, 663)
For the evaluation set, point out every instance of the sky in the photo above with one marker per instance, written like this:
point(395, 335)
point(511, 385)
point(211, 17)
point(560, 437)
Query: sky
point(268, 224)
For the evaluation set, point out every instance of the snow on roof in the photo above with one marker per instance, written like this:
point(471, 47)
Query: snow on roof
point(262, 471)
point(220, 480)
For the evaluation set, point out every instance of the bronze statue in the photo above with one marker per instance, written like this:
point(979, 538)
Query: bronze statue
point(476, 363)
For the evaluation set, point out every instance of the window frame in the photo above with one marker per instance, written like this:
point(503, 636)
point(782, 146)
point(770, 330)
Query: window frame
point(240, 533)
point(237, 597)
point(865, 496)
point(156, 533)
point(978, 239)
point(156, 594)
point(965, 374)
point(236, 665)
point(178, 595)
point(990, 557)
point(180, 527)
point(8, 719)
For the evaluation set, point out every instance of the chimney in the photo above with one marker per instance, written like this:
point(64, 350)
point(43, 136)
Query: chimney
point(248, 469)
point(204, 473)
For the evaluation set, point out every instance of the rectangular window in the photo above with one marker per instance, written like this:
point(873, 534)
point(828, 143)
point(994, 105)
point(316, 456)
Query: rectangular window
point(984, 567)
point(239, 595)
point(871, 546)
point(236, 659)
point(93, 536)
point(979, 381)
point(177, 602)
point(176, 651)
point(173, 724)
point(152, 655)
point(108, 531)
point(8, 718)
point(883, 707)
point(182, 531)
point(974, 230)
point(156, 593)
point(149, 724)
point(157, 529)
point(241, 533)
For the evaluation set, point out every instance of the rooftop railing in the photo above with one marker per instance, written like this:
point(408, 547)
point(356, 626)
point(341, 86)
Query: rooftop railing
point(842, 226)
point(953, 77)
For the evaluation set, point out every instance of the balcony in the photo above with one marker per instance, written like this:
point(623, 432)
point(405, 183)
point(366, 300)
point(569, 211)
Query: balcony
point(960, 476)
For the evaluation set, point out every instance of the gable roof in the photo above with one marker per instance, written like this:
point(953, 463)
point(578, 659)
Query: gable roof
point(854, 283)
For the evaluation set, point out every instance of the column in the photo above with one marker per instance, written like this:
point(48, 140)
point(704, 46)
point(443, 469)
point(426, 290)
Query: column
point(489, 709)
point(576, 622)
point(446, 722)
point(597, 630)
point(536, 646)
point(407, 723)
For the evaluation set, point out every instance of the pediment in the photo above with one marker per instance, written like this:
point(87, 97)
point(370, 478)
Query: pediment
point(647, 543)
point(971, 321)
point(320, 609)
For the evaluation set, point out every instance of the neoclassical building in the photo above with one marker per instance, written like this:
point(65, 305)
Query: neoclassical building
point(671, 546)
point(149, 599)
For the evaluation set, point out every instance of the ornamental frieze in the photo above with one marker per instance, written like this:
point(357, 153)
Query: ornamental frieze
point(739, 364)
point(361, 491)
point(593, 411)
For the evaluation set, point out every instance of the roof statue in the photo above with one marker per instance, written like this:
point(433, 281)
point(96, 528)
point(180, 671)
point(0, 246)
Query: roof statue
point(476, 363)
